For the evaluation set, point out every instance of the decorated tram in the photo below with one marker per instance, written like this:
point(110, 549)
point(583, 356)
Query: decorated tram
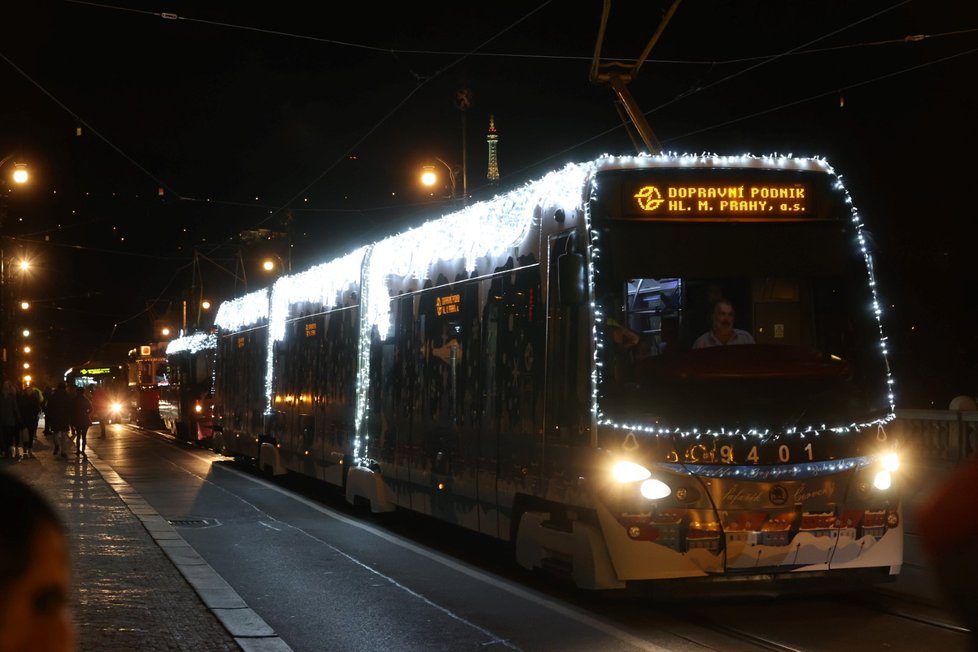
point(533, 368)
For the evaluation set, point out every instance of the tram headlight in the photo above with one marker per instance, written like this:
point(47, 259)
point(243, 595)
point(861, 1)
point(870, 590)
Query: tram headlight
point(655, 489)
point(891, 462)
point(115, 408)
point(630, 472)
point(882, 480)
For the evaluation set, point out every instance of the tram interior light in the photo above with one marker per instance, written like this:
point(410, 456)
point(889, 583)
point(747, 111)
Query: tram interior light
point(630, 472)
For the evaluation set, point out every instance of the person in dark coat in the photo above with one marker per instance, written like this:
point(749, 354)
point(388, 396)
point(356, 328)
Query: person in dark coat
point(57, 416)
point(81, 419)
point(9, 420)
point(44, 407)
point(29, 404)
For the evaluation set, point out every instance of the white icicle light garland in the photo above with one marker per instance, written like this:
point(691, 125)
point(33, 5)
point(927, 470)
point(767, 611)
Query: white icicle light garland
point(249, 310)
point(480, 233)
point(194, 343)
point(744, 161)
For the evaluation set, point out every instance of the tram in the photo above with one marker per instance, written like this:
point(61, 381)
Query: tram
point(146, 371)
point(528, 368)
point(109, 377)
point(186, 401)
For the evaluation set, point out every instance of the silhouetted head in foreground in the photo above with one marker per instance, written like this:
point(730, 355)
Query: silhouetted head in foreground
point(35, 575)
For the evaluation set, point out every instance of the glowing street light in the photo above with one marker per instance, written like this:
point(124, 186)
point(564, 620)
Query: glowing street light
point(273, 263)
point(429, 176)
point(20, 176)
point(24, 305)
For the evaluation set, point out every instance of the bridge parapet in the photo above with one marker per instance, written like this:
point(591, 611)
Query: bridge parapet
point(939, 435)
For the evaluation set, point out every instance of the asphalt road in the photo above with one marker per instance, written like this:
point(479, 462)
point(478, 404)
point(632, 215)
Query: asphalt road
point(326, 577)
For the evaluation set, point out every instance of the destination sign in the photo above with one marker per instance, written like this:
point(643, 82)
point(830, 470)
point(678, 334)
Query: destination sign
point(683, 199)
point(448, 305)
point(95, 371)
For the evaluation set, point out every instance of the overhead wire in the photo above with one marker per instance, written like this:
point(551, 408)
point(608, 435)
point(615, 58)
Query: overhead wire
point(422, 81)
point(763, 60)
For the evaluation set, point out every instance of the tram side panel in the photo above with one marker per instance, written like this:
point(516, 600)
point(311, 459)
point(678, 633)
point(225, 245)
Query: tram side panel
point(240, 392)
point(314, 395)
point(457, 430)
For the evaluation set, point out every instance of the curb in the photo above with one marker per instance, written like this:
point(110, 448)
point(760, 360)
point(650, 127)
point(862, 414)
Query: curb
point(247, 628)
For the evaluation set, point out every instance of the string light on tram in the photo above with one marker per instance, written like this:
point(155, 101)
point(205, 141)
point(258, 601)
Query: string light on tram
point(482, 232)
point(782, 161)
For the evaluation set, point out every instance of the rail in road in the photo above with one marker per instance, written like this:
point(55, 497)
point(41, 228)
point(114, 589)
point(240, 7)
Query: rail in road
point(452, 601)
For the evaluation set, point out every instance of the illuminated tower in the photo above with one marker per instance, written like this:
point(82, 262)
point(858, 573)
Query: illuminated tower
point(493, 139)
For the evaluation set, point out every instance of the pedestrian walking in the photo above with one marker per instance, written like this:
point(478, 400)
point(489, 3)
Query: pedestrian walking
point(10, 421)
point(29, 404)
point(57, 415)
point(81, 419)
point(101, 407)
point(44, 407)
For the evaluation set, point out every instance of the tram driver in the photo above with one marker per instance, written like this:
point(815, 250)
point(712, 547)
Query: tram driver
point(723, 333)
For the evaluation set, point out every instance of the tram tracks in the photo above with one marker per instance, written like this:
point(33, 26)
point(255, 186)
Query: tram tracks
point(908, 608)
point(813, 624)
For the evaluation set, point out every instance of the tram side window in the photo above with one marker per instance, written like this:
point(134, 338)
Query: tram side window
point(654, 310)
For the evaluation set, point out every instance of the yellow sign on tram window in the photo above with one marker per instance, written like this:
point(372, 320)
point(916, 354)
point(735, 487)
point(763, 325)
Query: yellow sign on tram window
point(311, 329)
point(760, 200)
point(448, 305)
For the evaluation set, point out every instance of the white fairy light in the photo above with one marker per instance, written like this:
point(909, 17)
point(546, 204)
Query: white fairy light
point(249, 310)
point(194, 343)
point(477, 239)
point(745, 161)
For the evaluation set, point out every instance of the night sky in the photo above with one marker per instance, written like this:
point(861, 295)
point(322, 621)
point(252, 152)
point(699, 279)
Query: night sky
point(151, 138)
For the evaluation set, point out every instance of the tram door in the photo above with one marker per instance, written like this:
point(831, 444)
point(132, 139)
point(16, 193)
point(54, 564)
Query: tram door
point(566, 420)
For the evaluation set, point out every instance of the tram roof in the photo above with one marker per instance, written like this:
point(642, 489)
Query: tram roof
point(485, 229)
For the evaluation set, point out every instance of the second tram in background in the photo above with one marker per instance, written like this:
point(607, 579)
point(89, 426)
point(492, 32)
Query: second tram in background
point(146, 373)
point(530, 368)
point(112, 379)
point(186, 402)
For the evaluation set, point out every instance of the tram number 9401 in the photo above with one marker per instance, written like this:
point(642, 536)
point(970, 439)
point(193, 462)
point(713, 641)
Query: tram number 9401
point(746, 453)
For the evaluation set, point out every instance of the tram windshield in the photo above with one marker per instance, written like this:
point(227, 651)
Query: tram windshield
point(793, 343)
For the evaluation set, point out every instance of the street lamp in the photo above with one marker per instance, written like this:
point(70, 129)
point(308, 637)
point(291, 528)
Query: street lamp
point(274, 262)
point(20, 176)
point(429, 176)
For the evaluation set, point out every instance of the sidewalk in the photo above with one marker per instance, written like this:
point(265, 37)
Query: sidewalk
point(137, 584)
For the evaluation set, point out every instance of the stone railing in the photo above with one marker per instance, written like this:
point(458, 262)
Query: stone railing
point(940, 435)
